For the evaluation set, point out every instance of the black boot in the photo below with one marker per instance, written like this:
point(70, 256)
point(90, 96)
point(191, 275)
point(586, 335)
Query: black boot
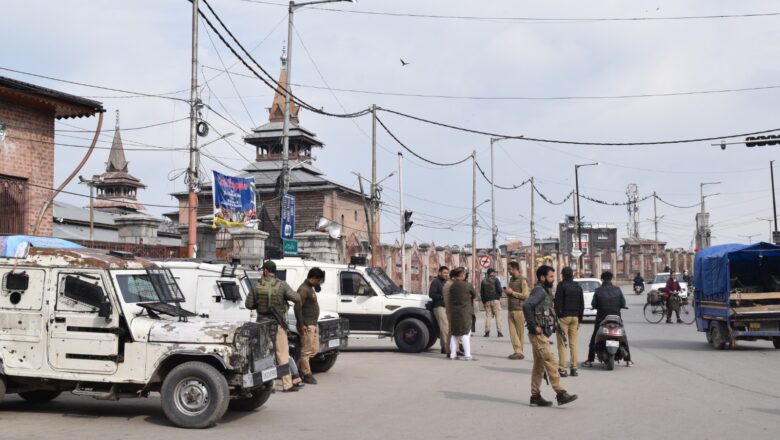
point(562, 372)
point(537, 400)
point(563, 398)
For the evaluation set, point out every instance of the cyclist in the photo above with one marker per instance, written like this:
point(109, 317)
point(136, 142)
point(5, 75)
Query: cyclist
point(672, 286)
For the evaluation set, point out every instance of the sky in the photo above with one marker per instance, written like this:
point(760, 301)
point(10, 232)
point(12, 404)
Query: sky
point(144, 46)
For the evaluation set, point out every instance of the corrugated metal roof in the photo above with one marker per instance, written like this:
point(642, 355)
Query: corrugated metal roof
point(89, 107)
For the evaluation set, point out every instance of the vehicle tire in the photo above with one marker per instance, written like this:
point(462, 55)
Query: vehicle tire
point(2, 388)
point(411, 335)
point(610, 361)
point(39, 396)
point(323, 364)
point(718, 335)
point(687, 314)
point(776, 342)
point(654, 313)
point(431, 342)
point(194, 395)
point(258, 398)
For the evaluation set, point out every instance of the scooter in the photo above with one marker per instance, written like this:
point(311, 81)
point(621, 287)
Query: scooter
point(611, 342)
point(639, 288)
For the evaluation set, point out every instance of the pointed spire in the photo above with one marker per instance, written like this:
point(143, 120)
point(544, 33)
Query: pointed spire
point(116, 159)
point(276, 112)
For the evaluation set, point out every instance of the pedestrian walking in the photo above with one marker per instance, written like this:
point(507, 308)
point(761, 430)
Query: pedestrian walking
point(516, 294)
point(607, 300)
point(270, 298)
point(541, 323)
point(569, 308)
point(307, 313)
point(459, 300)
point(436, 293)
point(490, 293)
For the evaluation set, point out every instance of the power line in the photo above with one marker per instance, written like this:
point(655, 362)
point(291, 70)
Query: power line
point(441, 164)
point(528, 20)
point(558, 141)
point(548, 200)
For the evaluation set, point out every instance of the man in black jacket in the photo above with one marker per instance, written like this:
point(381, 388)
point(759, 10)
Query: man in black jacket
point(490, 293)
point(569, 308)
point(607, 300)
point(437, 296)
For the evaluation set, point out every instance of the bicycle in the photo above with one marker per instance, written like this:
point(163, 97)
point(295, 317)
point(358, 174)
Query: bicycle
point(655, 312)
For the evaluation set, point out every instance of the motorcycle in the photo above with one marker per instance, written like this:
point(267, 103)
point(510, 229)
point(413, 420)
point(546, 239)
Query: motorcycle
point(611, 343)
point(639, 288)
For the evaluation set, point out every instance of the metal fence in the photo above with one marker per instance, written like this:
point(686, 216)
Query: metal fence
point(139, 250)
point(13, 212)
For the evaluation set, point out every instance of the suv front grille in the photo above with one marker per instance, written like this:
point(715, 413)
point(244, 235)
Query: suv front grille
point(254, 342)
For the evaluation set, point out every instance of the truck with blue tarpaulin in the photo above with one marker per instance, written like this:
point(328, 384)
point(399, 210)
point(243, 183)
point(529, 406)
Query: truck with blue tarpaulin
point(737, 293)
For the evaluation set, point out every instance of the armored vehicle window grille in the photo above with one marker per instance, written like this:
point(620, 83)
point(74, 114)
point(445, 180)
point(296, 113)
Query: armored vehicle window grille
point(136, 288)
point(165, 285)
point(229, 290)
point(85, 292)
point(16, 282)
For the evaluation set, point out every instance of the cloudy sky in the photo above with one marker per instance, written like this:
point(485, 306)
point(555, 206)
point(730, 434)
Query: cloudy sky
point(144, 46)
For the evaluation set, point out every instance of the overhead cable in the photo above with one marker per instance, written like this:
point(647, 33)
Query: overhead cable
point(441, 164)
point(676, 206)
point(548, 200)
point(499, 186)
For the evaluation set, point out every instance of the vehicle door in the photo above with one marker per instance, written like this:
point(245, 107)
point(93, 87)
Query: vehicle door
point(220, 299)
point(84, 324)
point(22, 338)
point(359, 302)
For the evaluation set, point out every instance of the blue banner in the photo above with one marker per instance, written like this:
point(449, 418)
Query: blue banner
point(234, 201)
point(288, 217)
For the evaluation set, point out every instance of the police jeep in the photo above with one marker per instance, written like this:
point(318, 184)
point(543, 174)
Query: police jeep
point(108, 325)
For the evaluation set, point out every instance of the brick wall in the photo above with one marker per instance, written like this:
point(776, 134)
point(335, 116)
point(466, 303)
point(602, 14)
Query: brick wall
point(27, 152)
point(308, 210)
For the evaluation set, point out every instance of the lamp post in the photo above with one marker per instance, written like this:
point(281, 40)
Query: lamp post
point(286, 127)
point(701, 192)
point(769, 220)
point(579, 222)
point(750, 237)
point(96, 179)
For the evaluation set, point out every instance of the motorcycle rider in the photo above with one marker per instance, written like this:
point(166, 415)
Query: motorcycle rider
point(686, 277)
point(639, 281)
point(671, 286)
point(607, 300)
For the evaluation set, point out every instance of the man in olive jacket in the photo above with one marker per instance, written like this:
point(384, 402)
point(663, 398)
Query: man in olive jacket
point(459, 300)
point(436, 293)
point(307, 315)
point(273, 293)
point(516, 293)
point(540, 319)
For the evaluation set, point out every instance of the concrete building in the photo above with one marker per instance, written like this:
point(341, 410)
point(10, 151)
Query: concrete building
point(27, 114)
point(599, 244)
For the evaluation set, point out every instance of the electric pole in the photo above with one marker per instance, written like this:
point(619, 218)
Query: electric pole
point(774, 204)
point(533, 232)
point(373, 238)
point(401, 220)
point(655, 225)
point(493, 229)
point(192, 172)
point(474, 219)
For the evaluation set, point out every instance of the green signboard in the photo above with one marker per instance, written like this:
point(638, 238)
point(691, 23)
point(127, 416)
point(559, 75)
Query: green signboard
point(290, 248)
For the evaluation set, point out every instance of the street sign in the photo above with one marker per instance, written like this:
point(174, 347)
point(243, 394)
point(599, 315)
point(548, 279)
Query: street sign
point(576, 253)
point(290, 248)
point(776, 237)
point(485, 261)
point(288, 217)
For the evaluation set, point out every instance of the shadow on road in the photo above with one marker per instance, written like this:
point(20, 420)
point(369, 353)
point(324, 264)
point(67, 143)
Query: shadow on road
point(455, 395)
point(771, 411)
point(509, 370)
point(676, 344)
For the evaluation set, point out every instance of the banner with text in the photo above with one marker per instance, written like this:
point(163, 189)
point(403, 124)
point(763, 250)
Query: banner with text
point(234, 201)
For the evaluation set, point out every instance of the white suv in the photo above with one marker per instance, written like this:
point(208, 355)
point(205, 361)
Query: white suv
point(589, 286)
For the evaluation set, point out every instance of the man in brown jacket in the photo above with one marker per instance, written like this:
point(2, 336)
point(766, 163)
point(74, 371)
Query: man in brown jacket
point(516, 293)
point(307, 313)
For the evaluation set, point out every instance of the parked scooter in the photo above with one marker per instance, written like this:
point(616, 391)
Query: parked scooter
point(639, 288)
point(611, 342)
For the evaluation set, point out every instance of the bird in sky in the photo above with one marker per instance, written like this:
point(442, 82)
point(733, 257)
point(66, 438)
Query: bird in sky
point(403, 63)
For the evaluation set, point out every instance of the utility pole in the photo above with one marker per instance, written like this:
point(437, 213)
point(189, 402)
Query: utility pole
point(493, 229)
point(474, 219)
point(369, 226)
point(91, 184)
point(193, 171)
point(768, 220)
point(774, 204)
point(401, 220)
point(533, 231)
point(655, 225)
point(373, 236)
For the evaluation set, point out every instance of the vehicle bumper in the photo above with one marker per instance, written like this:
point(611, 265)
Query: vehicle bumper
point(263, 371)
point(334, 335)
point(589, 313)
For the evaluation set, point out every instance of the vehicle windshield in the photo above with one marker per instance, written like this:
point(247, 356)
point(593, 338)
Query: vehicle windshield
point(589, 285)
point(385, 283)
point(661, 278)
point(154, 285)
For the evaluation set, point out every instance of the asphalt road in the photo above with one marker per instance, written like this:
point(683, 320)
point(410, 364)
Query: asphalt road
point(679, 388)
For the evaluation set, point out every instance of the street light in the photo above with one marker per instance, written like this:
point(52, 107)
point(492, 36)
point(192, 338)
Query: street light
point(288, 78)
point(226, 135)
point(701, 192)
point(579, 220)
point(769, 220)
point(749, 237)
point(96, 179)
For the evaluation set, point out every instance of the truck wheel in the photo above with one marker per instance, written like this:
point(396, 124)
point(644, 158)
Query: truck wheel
point(411, 335)
point(718, 335)
point(39, 396)
point(194, 395)
point(258, 398)
point(325, 363)
point(776, 342)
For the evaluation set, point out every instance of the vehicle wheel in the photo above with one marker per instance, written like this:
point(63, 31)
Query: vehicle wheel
point(718, 335)
point(194, 395)
point(610, 361)
point(39, 396)
point(411, 335)
point(431, 342)
point(258, 398)
point(776, 342)
point(324, 364)
point(2, 388)
point(687, 314)
point(653, 313)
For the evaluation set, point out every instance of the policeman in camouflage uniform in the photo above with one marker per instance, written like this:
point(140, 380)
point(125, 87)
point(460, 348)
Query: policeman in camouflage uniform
point(270, 292)
point(539, 311)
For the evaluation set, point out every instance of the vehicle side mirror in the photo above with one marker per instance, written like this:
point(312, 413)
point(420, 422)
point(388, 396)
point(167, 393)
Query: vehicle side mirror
point(105, 309)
